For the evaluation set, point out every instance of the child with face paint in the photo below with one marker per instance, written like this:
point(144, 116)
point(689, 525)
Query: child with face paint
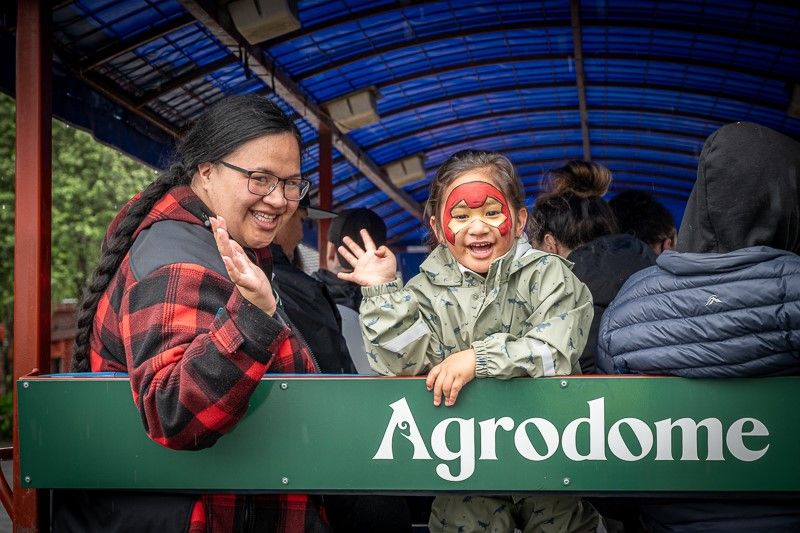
point(485, 304)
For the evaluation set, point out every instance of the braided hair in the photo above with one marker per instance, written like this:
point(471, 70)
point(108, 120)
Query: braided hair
point(222, 129)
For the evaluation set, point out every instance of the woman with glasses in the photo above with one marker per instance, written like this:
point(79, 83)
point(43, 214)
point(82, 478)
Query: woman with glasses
point(181, 301)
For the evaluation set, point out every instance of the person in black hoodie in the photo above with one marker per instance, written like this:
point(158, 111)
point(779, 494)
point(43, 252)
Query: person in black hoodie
point(731, 295)
point(574, 222)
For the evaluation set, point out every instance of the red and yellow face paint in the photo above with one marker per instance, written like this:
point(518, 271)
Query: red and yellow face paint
point(475, 200)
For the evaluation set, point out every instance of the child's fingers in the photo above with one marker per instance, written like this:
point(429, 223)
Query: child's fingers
point(430, 379)
point(437, 389)
point(382, 252)
point(452, 393)
point(369, 244)
point(349, 257)
point(347, 276)
point(353, 247)
point(447, 385)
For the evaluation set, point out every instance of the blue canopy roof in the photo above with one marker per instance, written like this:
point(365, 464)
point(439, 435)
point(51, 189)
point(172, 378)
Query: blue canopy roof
point(658, 77)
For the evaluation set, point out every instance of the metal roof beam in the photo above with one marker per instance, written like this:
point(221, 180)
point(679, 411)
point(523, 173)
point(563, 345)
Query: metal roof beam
point(219, 24)
point(419, 41)
point(193, 73)
point(107, 54)
point(580, 79)
point(103, 87)
point(333, 22)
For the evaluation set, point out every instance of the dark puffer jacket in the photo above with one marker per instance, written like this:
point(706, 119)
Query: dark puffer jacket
point(729, 312)
point(734, 312)
point(313, 312)
point(603, 265)
point(708, 316)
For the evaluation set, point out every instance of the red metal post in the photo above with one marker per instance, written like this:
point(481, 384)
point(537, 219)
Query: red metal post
point(32, 225)
point(325, 188)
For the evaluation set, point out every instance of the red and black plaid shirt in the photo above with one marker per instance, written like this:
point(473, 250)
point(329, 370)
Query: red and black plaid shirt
point(195, 349)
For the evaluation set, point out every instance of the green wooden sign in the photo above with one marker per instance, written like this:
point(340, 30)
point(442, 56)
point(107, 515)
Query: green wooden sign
point(573, 434)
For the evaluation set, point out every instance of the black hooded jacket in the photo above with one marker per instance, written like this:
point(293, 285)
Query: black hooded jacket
point(747, 192)
point(313, 312)
point(603, 265)
point(742, 222)
point(343, 292)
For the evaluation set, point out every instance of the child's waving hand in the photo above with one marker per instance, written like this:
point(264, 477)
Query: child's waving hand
point(371, 265)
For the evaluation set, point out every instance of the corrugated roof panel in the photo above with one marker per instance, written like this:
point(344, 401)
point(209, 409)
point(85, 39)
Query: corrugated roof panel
point(622, 152)
point(660, 77)
point(680, 173)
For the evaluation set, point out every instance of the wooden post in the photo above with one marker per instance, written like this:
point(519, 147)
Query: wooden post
point(32, 226)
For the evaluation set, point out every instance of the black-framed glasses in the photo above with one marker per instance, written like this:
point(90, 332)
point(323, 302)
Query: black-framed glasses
point(263, 183)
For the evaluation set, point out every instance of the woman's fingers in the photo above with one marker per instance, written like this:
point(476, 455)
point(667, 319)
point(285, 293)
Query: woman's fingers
point(241, 261)
point(230, 268)
point(220, 232)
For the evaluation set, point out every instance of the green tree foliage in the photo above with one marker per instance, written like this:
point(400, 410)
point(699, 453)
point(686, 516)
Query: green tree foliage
point(7, 136)
point(90, 183)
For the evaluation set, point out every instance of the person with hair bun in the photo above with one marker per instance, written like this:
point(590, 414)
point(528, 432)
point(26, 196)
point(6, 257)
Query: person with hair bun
point(573, 221)
point(181, 301)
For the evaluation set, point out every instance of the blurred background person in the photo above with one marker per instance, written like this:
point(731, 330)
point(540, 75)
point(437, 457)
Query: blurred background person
point(641, 215)
point(307, 301)
point(315, 314)
point(347, 295)
point(349, 223)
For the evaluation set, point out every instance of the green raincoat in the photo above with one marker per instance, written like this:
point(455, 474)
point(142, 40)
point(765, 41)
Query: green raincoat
point(528, 317)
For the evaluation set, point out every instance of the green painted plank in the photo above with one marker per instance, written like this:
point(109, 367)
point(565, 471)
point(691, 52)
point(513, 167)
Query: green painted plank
point(371, 434)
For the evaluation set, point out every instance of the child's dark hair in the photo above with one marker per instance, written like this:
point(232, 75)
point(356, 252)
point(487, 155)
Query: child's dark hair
point(573, 211)
point(494, 164)
point(222, 129)
point(641, 215)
